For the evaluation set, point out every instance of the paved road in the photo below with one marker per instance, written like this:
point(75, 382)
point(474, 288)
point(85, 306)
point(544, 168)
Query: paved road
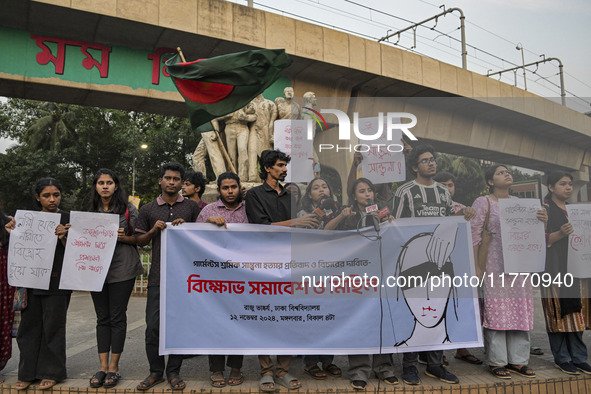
point(83, 360)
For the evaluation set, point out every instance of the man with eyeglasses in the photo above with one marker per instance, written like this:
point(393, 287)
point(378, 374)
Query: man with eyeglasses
point(423, 197)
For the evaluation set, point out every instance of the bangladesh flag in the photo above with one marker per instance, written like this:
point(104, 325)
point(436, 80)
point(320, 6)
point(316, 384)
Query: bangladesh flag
point(223, 84)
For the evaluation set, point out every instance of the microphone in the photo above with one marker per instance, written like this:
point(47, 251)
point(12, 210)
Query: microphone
point(371, 207)
point(330, 207)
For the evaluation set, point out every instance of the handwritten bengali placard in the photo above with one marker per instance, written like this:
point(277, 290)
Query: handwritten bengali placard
point(291, 138)
point(89, 250)
point(383, 160)
point(579, 242)
point(31, 249)
point(522, 234)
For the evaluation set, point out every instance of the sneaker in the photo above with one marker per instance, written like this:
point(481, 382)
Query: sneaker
point(568, 368)
point(584, 367)
point(410, 375)
point(391, 380)
point(442, 374)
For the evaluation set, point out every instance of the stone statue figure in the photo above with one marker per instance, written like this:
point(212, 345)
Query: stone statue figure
point(237, 129)
point(209, 144)
point(286, 107)
point(261, 133)
point(310, 100)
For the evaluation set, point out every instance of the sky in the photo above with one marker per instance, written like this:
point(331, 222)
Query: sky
point(555, 29)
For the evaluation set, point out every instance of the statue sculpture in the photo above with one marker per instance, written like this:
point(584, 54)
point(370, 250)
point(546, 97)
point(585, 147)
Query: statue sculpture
point(286, 107)
point(248, 132)
point(237, 129)
point(261, 133)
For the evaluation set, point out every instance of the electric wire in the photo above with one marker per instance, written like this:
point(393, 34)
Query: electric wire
point(420, 38)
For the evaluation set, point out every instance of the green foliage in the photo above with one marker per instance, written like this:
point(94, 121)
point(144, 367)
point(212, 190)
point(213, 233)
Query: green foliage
point(469, 176)
point(72, 142)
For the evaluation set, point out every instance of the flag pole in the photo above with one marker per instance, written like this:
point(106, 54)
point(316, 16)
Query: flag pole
point(222, 147)
point(215, 129)
point(181, 54)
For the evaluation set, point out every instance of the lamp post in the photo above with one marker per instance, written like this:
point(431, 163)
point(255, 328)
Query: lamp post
point(519, 47)
point(142, 146)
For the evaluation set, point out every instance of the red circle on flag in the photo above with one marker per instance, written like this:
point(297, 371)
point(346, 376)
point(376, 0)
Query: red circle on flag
point(204, 92)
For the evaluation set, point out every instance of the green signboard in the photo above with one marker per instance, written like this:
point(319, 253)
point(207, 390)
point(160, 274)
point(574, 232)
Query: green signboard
point(35, 55)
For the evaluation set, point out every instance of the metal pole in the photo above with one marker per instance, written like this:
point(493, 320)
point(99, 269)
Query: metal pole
point(520, 47)
point(445, 12)
point(562, 90)
point(463, 36)
point(133, 178)
point(560, 71)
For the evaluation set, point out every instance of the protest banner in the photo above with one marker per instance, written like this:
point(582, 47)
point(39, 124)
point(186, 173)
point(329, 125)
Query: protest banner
point(579, 242)
point(253, 289)
point(290, 137)
point(522, 235)
point(89, 250)
point(383, 160)
point(31, 249)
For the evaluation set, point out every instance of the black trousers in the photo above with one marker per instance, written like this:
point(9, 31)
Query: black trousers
point(434, 358)
point(216, 362)
point(41, 338)
point(156, 361)
point(110, 306)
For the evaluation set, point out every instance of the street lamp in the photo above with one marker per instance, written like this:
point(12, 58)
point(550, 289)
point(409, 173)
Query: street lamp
point(142, 146)
point(519, 47)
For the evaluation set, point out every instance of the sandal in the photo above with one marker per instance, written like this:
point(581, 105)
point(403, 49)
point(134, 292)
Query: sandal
point(49, 383)
point(536, 351)
point(114, 379)
point(500, 372)
point(268, 379)
point(235, 378)
point(152, 380)
point(20, 385)
point(524, 370)
point(332, 370)
point(286, 380)
point(358, 384)
point(469, 358)
point(100, 379)
point(217, 379)
point(176, 383)
point(315, 372)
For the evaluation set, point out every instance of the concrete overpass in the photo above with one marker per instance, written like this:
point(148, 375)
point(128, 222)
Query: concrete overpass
point(534, 133)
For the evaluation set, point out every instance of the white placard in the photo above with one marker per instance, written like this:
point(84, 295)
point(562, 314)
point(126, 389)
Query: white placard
point(383, 160)
point(32, 248)
point(522, 234)
point(291, 138)
point(89, 250)
point(579, 242)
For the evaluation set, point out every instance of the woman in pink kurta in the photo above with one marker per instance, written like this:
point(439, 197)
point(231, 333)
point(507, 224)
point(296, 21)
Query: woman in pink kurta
point(507, 311)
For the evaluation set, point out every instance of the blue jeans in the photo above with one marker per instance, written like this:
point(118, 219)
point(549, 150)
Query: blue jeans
point(568, 346)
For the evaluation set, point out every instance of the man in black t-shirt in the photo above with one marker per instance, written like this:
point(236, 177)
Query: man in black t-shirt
point(423, 197)
point(270, 203)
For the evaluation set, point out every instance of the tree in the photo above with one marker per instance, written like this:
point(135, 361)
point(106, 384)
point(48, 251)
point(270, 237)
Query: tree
point(95, 138)
point(56, 124)
point(469, 176)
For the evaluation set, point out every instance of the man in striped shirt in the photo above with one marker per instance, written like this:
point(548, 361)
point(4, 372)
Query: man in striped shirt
point(423, 197)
